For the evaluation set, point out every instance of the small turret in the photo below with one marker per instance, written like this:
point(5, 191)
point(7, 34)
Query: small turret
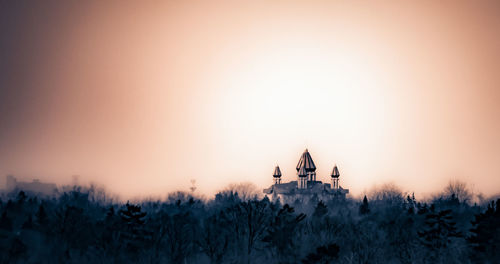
point(335, 177)
point(277, 175)
point(302, 178)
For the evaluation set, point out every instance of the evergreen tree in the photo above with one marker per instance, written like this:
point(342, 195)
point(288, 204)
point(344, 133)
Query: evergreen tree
point(411, 203)
point(364, 208)
point(485, 238)
point(134, 220)
point(438, 231)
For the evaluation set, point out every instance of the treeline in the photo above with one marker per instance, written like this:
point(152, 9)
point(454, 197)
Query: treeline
point(387, 227)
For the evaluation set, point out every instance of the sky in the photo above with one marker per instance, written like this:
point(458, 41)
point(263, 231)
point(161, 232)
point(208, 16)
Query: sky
point(142, 97)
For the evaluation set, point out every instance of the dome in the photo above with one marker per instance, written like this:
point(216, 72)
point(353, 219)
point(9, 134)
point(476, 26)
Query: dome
point(306, 162)
point(335, 172)
point(277, 172)
point(302, 172)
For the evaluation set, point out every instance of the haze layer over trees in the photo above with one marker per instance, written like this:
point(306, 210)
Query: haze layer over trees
point(386, 226)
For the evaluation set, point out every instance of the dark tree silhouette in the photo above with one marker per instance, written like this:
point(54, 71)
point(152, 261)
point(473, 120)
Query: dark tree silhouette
point(281, 233)
point(485, 237)
point(17, 251)
point(21, 197)
point(181, 231)
point(28, 224)
point(5, 222)
point(459, 190)
point(320, 210)
point(78, 227)
point(364, 208)
point(72, 225)
point(133, 219)
point(411, 203)
point(109, 240)
point(214, 240)
point(323, 255)
point(438, 232)
point(255, 220)
point(41, 216)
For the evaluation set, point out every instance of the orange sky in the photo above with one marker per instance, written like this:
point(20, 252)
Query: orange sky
point(142, 97)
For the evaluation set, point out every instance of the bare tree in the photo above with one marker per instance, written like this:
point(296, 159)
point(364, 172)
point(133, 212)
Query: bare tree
point(246, 190)
point(390, 193)
point(459, 190)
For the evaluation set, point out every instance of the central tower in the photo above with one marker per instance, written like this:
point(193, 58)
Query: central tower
point(308, 164)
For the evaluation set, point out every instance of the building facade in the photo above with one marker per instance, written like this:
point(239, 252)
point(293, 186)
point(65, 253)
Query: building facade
point(34, 187)
point(306, 184)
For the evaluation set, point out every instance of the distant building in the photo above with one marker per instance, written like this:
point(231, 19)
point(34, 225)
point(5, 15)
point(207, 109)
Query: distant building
point(306, 184)
point(35, 187)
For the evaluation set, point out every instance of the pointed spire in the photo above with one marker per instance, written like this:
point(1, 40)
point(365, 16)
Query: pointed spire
point(307, 162)
point(277, 172)
point(335, 172)
point(302, 172)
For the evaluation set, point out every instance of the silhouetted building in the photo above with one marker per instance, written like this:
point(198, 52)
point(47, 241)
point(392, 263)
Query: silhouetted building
point(306, 184)
point(36, 186)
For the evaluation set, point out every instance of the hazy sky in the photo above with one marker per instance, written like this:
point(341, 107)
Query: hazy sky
point(142, 97)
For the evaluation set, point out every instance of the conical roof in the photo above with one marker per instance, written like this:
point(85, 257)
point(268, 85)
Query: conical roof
point(302, 172)
point(335, 172)
point(307, 162)
point(277, 172)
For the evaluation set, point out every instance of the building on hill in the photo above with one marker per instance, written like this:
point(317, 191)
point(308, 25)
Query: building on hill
point(35, 187)
point(306, 184)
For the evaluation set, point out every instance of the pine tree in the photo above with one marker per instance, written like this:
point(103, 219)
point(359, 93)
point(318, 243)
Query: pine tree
point(134, 221)
point(364, 208)
point(485, 238)
point(438, 232)
point(411, 203)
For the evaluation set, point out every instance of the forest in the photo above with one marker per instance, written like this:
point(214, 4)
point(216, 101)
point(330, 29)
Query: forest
point(83, 225)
